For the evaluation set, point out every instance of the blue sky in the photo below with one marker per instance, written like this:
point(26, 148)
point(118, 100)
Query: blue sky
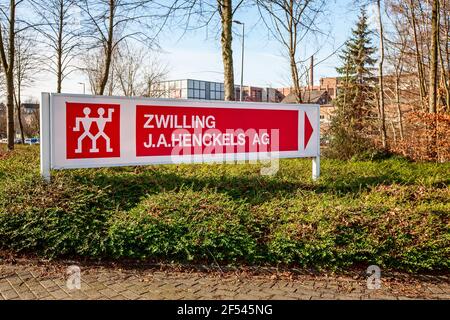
point(198, 54)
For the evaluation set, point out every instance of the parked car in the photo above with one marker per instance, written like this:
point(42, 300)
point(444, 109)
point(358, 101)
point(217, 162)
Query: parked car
point(31, 140)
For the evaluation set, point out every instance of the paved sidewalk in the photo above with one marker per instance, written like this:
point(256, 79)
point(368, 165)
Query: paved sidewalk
point(48, 281)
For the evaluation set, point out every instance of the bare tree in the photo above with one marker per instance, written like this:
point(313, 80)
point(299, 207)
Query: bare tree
point(8, 33)
point(380, 77)
point(2, 82)
point(128, 67)
point(2, 105)
point(31, 125)
point(59, 28)
point(25, 70)
point(433, 84)
point(420, 64)
point(109, 22)
point(444, 50)
point(196, 14)
point(226, 11)
point(397, 47)
point(137, 71)
point(290, 22)
point(427, 56)
point(93, 66)
point(154, 73)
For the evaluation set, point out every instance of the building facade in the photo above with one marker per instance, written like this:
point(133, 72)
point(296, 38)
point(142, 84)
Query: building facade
point(209, 90)
point(189, 89)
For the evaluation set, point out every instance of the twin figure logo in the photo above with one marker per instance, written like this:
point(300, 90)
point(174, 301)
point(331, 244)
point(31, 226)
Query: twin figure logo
point(86, 123)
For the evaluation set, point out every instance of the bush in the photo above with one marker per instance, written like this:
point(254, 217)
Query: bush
point(183, 225)
point(345, 145)
point(427, 138)
point(392, 212)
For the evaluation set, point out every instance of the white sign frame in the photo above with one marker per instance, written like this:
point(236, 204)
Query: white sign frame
point(53, 134)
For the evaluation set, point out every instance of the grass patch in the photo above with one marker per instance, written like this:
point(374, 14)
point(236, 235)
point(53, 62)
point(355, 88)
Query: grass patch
point(392, 212)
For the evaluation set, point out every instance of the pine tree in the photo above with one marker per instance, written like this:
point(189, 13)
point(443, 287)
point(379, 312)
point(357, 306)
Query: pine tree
point(355, 116)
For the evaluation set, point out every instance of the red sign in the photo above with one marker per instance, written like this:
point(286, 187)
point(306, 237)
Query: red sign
point(92, 130)
point(83, 131)
point(196, 130)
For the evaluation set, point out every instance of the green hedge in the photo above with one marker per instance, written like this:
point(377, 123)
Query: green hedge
point(392, 213)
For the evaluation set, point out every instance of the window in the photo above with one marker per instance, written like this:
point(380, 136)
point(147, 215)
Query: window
point(256, 95)
point(216, 91)
point(196, 89)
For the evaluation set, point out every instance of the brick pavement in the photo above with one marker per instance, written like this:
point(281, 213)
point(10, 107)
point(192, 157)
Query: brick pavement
point(30, 280)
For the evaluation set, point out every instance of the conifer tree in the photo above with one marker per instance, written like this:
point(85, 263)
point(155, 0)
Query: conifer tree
point(355, 117)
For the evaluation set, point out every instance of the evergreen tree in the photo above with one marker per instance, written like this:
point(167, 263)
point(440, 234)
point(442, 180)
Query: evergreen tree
point(354, 120)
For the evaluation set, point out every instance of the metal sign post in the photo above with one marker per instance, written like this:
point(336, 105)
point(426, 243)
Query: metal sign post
point(45, 136)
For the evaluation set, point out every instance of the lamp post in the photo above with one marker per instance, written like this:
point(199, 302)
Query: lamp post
point(242, 60)
point(84, 87)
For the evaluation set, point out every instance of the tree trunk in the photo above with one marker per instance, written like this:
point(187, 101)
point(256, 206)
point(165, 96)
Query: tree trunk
point(347, 71)
point(445, 84)
point(59, 48)
point(444, 77)
point(446, 19)
point(10, 76)
point(226, 8)
point(108, 46)
point(295, 78)
point(393, 132)
point(434, 57)
point(418, 55)
point(10, 131)
point(381, 79)
point(397, 101)
point(19, 112)
point(292, 53)
point(111, 80)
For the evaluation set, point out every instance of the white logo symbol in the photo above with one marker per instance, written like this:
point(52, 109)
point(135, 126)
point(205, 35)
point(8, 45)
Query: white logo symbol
point(374, 280)
point(74, 277)
point(86, 122)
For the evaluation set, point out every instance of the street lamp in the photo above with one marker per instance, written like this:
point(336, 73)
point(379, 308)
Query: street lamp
point(84, 87)
point(242, 59)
